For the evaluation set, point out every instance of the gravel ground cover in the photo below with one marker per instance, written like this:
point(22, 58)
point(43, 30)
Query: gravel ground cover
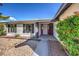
point(7, 47)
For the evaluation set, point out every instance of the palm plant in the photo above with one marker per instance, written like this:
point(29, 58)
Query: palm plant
point(1, 16)
point(3, 19)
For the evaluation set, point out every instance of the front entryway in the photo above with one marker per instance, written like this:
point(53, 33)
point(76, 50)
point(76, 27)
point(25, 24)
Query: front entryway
point(50, 29)
point(46, 29)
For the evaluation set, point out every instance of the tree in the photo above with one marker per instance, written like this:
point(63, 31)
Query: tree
point(3, 17)
point(1, 5)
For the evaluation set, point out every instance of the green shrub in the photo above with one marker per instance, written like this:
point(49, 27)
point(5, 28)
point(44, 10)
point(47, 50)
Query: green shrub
point(68, 30)
point(2, 32)
point(17, 35)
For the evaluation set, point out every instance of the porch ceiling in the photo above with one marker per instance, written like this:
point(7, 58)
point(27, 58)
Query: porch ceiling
point(21, 22)
point(45, 22)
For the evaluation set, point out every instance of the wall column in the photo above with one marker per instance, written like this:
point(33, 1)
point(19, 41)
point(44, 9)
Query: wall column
point(19, 28)
point(54, 30)
point(36, 29)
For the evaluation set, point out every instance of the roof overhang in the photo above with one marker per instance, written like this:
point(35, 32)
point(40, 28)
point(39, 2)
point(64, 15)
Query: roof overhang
point(30, 21)
point(61, 10)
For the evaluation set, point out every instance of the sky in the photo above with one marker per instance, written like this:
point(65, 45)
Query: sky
point(30, 11)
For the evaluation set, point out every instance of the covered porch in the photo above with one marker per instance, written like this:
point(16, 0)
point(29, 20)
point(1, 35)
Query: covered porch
point(21, 28)
point(45, 28)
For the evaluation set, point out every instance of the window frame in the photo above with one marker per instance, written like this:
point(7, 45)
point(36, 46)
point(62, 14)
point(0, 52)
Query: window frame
point(12, 28)
point(28, 28)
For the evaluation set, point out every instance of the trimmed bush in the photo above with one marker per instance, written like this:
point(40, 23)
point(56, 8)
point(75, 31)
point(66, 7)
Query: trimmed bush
point(2, 32)
point(68, 32)
point(17, 35)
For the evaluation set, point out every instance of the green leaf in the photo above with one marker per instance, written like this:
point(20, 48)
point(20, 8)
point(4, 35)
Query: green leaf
point(68, 29)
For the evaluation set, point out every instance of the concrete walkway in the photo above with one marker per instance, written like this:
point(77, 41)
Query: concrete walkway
point(49, 46)
point(42, 48)
point(56, 49)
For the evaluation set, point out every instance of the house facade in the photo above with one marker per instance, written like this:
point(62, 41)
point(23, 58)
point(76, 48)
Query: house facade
point(29, 28)
point(41, 27)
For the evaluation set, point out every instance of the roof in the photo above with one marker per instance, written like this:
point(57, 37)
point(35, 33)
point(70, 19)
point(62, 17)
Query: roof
point(61, 10)
point(28, 21)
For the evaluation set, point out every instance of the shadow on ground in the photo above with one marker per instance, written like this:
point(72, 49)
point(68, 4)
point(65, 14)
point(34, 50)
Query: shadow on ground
point(31, 42)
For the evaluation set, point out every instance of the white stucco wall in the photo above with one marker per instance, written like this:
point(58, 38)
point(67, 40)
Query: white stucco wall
point(35, 29)
point(39, 29)
point(55, 30)
point(20, 31)
point(45, 29)
point(19, 28)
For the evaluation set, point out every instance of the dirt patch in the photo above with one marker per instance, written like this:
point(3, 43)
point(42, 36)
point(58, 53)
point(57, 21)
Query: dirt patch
point(7, 47)
point(20, 51)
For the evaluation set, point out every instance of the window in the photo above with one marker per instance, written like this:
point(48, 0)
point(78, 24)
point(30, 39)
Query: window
point(28, 28)
point(11, 28)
